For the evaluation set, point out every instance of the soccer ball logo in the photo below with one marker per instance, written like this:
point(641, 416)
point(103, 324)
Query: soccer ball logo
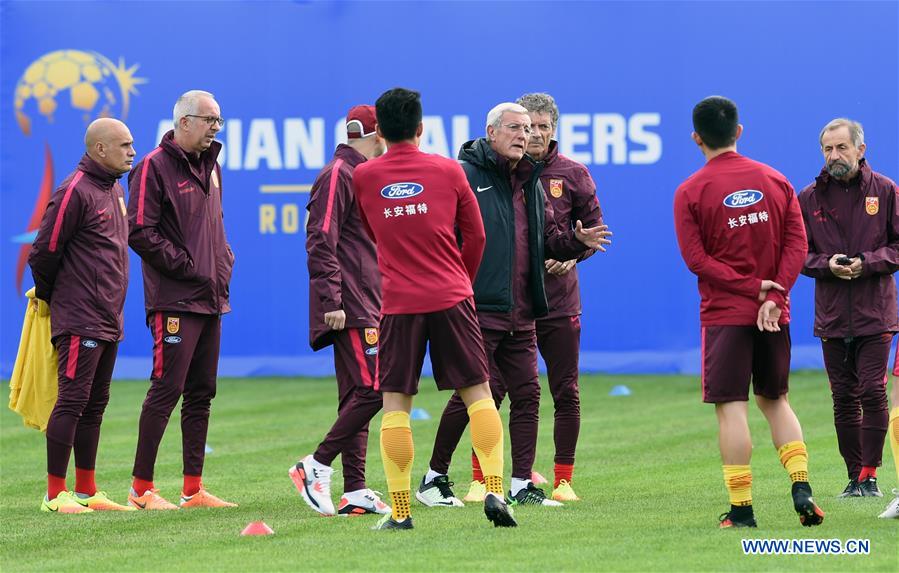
point(84, 81)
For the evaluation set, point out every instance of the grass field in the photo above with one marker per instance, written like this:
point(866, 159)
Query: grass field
point(648, 472)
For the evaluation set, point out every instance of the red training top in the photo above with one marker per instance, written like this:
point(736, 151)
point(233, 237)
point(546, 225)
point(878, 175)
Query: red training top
point(412, 204)
point(738, 222)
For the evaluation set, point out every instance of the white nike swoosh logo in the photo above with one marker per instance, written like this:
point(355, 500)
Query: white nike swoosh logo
point(480, 189)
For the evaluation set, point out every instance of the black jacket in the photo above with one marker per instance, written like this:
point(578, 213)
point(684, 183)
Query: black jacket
point(491, 182)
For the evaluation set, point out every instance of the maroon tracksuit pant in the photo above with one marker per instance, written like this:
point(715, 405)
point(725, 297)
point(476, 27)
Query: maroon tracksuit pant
point(857, 373)
point(185, 363)
point(85, 371)
point(512, 358)
point(356, 365)
point(559, 341)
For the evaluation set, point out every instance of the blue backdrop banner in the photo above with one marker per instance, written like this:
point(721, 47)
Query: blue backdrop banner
point(625, 75)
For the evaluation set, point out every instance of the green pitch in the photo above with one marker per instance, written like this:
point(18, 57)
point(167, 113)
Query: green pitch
point(647, 469)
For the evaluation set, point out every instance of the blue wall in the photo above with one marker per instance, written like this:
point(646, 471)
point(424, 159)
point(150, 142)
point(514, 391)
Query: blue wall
point(625, 75)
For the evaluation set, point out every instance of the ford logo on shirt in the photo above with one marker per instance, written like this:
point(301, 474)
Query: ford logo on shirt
point(371, 351)
point(89, 343)
point(401, 190)
point(173, 339)
point(743, 198)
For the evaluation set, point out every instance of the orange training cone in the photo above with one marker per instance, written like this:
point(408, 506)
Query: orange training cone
point(538, 479)
point(257, 528)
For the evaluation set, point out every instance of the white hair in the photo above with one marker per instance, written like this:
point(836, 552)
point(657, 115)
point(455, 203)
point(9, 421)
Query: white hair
point(495, 115)
point(856, 131)
point(187, 104)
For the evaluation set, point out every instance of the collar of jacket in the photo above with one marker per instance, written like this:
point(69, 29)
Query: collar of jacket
point(207, 158)
point(349, 155)
point(823, 178)
point(479, 152)
point(96, 172)
point(552, 153)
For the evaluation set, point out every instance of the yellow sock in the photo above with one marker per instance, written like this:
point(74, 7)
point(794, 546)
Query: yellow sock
point(894, 434)
point(487, 441)
point(494, 484)
point(397, 453)
point(401, 507)
point(794, 458)
point(738, 480)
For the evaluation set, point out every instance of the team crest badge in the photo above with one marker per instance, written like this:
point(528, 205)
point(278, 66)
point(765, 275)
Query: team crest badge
point(371, 336)
point(215, 179)
point(173, 325)
point(555, 188)
point(872, 205)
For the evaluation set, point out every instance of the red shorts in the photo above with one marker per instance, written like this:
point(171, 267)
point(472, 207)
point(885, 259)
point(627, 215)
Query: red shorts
point(732, 356)
point(454, 337)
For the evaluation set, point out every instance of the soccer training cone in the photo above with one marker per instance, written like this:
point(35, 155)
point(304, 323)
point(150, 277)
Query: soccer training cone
point(538, 479)
point(419, 414)
point(620, 390)
point(257, 528)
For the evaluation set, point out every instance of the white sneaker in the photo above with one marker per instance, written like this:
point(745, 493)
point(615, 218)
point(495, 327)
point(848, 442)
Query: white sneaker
point(892, 510)
point(313, 481)
point(438, 493)
point(361, 502)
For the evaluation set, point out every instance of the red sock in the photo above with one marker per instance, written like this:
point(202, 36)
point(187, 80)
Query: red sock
point(55, 484)
point(867, 472)
point(476, 473)
point(192, 484)
point(84, 481)
point(563, 472)
point(141, 486)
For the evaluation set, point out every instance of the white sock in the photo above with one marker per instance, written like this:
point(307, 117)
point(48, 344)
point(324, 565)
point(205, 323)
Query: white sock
point(317, 464)
point(429, 477)
point(518, 484)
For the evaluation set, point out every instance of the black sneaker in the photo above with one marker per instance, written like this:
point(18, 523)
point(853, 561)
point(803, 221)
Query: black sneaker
point(387, 522)
point(868, 488)
point(530, 495)
point(738, 516)
point(809, 512)
point(438, 493)
point(498, 512)
point(852, 490)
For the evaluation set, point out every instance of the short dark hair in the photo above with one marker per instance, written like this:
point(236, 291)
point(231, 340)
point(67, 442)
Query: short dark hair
point(715, 120)
point(399, 114)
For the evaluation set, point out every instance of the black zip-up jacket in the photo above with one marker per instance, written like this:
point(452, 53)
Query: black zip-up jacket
point(493, 189)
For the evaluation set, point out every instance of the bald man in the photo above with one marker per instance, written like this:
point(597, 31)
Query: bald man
point(79, 262)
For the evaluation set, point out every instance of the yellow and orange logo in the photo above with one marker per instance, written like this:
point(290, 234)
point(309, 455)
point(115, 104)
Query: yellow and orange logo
point(872, 205)
point(555, 187)
point(371, 336)
point(173, 324)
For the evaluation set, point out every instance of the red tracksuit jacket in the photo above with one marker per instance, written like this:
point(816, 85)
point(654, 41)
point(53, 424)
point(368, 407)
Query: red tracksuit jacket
point(79, 259)
point(738, 222)
point(177, 228)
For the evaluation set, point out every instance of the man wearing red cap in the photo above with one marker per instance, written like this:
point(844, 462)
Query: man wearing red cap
point(344, 304)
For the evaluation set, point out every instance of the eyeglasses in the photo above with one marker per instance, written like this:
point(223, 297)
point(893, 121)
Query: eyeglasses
point(209, 119)
point(515, 127)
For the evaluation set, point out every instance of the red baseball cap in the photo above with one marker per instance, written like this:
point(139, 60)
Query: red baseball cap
point(364, 119)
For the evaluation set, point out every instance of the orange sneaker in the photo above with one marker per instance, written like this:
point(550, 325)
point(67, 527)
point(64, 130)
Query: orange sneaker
point(151, 500)
point(204, 499)
point(101, 502)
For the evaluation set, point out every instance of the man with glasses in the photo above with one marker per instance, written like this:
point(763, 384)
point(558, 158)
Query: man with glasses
point(509, 294)
point(177, 228)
